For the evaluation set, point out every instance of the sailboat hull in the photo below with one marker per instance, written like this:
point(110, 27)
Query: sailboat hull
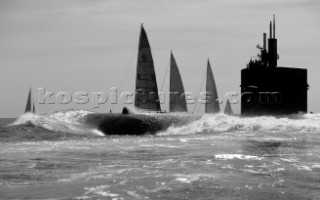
point(136, 124)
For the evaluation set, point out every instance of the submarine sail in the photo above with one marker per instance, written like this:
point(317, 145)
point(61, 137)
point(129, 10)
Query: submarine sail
point(147, 97)
point(212, 105)
point(177, 98)
point(269, 89)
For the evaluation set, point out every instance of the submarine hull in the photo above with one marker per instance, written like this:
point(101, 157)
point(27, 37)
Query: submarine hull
point(136, 124)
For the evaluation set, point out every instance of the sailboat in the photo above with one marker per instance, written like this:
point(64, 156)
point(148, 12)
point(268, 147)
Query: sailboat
point(212, 105)
point(30, 108)
point(228, 109)
point(147, 97)
point(130, 122)
point(177, 101)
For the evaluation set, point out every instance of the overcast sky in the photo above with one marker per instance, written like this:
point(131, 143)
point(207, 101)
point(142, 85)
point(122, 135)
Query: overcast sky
point(91, 45)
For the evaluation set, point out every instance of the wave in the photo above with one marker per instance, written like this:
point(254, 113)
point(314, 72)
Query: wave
point(73, 121)
point(69, 121)
point(219, 123)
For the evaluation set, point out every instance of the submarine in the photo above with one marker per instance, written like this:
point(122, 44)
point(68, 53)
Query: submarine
point(269, 89)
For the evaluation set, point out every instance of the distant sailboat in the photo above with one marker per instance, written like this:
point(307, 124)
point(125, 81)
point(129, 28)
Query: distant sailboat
point(211, 106)
point(30, 108)
point(33, 108)
point(228, 109)
point(147, 97)
point(177, 102)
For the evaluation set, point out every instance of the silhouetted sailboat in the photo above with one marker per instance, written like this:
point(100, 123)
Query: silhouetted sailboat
point(228, 109)
point(30, 108)
point(33, 108)
point(212, 105)
point(177, 101)
point(147, 97)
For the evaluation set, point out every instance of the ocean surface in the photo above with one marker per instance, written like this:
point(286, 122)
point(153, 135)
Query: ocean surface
point(55, 156)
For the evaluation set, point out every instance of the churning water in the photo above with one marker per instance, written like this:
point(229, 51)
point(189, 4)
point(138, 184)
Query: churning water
point(56, 156)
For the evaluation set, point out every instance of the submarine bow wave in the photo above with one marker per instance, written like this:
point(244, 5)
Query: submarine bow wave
point(77, 121)
point(70, 121)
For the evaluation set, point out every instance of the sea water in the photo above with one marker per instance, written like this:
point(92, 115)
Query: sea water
point(54, 156)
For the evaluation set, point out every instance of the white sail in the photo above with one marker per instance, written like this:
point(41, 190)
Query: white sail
point(177, 102)
point(29, 103)
point(228, 109)
point(33, 108)
point(212, 104)
point(30, 108)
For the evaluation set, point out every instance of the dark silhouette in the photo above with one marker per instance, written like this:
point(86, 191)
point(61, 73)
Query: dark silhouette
point(267, 89)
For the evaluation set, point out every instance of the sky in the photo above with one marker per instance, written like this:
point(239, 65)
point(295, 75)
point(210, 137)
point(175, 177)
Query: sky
point(91, 45)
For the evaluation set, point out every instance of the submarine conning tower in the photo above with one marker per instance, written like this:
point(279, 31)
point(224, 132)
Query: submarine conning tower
point(268, 89)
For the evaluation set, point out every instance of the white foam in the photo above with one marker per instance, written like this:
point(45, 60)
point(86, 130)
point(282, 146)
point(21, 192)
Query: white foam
point(189, 178)
point(184, 180)
point(304, 167)
point(217, 123)
point(70, 121)
point(316, 166)
point(134, 194)
point(25, 118)
point(101, 191)
point(237, 156)
point(97, 132)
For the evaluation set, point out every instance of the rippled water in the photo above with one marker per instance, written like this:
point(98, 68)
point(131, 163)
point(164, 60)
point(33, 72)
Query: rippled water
point(216, 157)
